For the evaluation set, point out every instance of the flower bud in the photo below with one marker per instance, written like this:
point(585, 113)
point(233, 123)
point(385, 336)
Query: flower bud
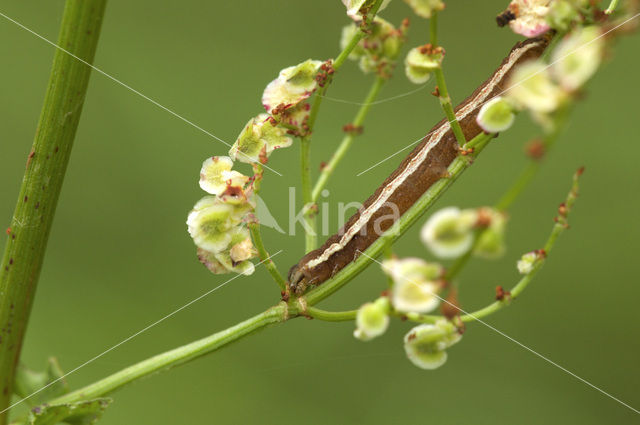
point(563, 13)
point(421, 62)
point(531, 87)
point(491, 244)
point(425, 345)
point(416, 284)
point(425, 8)
point(449, 232)
point(372, 319)
point(378, 48)
point(496, 115)
point(221, 262)
point(293, 85)
point(577, 57)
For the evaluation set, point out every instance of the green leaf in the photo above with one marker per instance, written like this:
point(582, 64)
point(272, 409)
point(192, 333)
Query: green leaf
point(79, 413)
point(29, 382)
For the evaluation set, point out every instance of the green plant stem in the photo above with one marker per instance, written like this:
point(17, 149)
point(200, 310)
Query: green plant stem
point(559, 227)
point(177, 356)
point(612, 7)
point(46, 165)
point(516, 189)
point(331, 316)
point(311, 238)
point(256, 235)
point(443, 91)
point(456, 168)
point(348, 139)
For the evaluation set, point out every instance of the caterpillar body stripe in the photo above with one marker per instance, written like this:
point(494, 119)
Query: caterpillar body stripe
point(425, 165)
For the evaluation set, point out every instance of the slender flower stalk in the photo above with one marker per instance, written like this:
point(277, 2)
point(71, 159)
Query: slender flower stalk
point(46, 166)
point(256, 235)
point(443, 91)
point(311, 237)
point(517, 188)
point(348, 139)
point(331, 316)
point(558, 228)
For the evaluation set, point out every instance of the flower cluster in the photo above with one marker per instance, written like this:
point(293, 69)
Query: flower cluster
point(543, 88)
point(532, 18)
point(217, 222)
point(377, 51)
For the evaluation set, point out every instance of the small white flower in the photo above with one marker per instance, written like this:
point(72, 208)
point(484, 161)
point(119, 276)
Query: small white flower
point(425, 8)
point(496, 115)
point(531, 17)
point(531, 87)
point(449, 232)
point(216, 175)
point(293, 85)
point(528, 262)
point(425, 345)
point(355, 7)
point(415, 284)
point(577, 57)
point(209, 223)
point(421, 62)
point(372, 319)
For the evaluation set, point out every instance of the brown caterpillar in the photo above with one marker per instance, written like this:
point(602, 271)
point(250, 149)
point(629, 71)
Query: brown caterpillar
point(425, 165)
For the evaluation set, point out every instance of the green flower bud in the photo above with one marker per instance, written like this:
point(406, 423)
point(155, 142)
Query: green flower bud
point(293, 85)
point(421, 62)
point(531, 87)
point(416, 284)
point(425, 8)
point(378, 48)
point(449, 232)
point(491, 244)
point(425, 345)
point(372, 319)
point(563, 13)
point(577, 57)
point(496, 115)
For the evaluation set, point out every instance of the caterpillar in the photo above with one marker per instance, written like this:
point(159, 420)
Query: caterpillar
point(425, 165)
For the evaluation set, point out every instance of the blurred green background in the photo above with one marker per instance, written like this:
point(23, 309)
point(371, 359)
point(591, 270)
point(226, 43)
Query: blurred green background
point(120, 258)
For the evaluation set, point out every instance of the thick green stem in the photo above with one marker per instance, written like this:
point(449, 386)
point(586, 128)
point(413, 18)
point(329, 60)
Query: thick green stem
point(46, 165)
point(416, 211)
point(177, 356)
point(347, 141)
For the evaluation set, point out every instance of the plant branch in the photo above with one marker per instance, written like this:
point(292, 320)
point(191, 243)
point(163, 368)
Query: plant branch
point(348, 139)
point(416, 211)
point(443, 92)
point(331, 316)
point(559, 227)
point(311, 237)
point(46, 165)
point(256, 235)
point(177, 356)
